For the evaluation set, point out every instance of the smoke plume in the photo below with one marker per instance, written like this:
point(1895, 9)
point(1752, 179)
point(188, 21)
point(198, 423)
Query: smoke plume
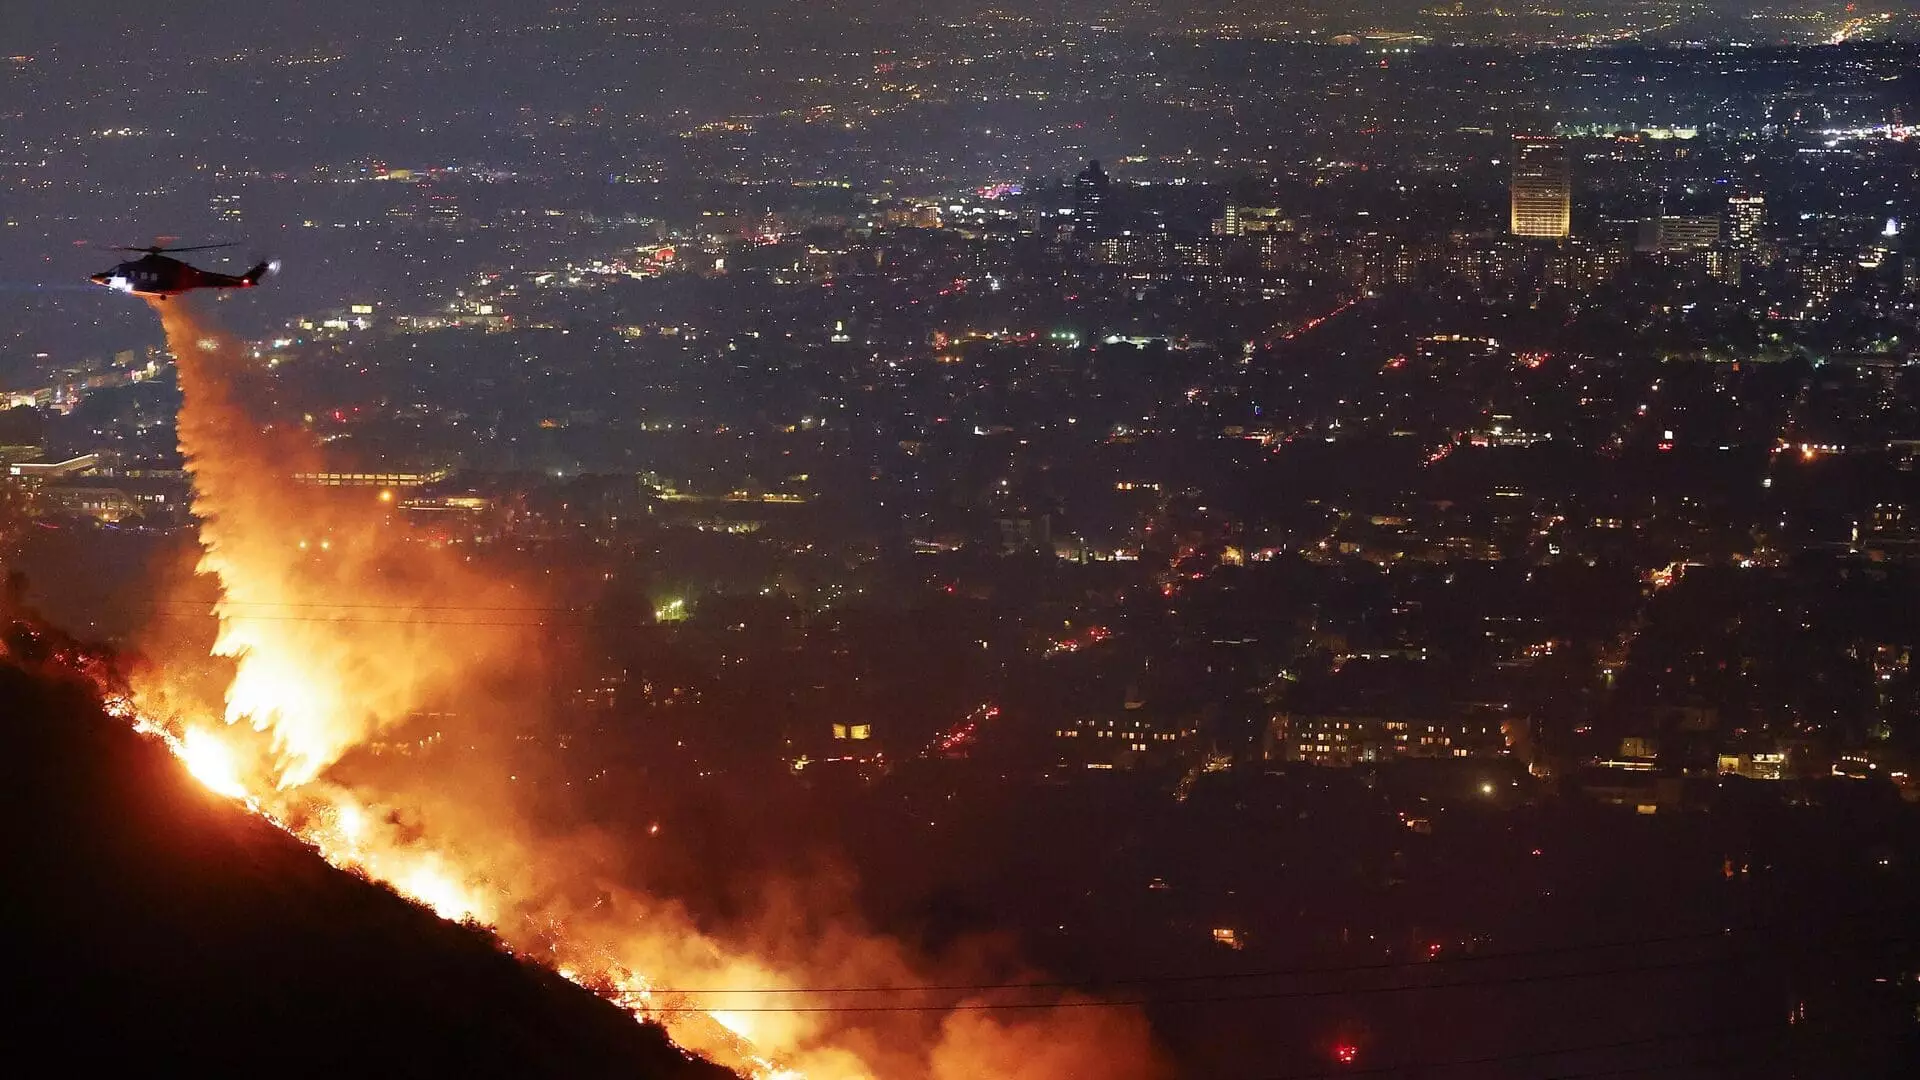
point(337, 627)
point(342, 632)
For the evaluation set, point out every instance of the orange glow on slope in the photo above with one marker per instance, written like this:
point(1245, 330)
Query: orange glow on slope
point(433, 885)
point(211, 762)
point(733, 1022)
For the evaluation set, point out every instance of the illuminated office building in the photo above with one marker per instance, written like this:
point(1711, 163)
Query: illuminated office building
point(1744, 215)
point(1542, 188)
point(1677, 232)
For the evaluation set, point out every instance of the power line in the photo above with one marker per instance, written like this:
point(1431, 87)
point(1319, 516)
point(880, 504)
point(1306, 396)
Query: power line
point(1276, 973)
point(186, 602)
point(1214, 999)
point(206, 611)
point(324, 620)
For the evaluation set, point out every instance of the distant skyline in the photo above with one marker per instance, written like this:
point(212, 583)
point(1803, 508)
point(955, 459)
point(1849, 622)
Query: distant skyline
point(110, 28)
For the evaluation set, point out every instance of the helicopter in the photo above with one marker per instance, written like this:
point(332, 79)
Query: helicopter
point(156, 276)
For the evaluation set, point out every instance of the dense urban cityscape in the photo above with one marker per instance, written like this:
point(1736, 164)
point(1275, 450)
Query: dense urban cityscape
point(1377, 542)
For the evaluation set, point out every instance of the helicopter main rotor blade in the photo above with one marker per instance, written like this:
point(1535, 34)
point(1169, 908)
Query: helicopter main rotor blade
point(157, 250)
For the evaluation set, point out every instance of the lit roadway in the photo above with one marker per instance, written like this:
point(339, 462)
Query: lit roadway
point(1277, 334)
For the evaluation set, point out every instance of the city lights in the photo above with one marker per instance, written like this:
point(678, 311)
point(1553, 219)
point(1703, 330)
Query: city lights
point(1159, 541)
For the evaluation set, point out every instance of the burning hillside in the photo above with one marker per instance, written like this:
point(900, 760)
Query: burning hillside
point(340, 630)
point(161, 925)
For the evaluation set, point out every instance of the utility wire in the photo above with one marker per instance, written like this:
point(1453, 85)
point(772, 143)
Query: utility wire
point(357, 619)
point(344, 612)
point(179, 601)
point(1276, 973)
point(1223, 999)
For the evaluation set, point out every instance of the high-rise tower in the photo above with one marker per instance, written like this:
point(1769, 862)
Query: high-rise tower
point(1542, 188)
point(1090, 200)
point(1745, 213)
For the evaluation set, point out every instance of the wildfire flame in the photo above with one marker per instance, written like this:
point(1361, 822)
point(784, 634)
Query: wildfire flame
point(211, 762)
point(337, 645)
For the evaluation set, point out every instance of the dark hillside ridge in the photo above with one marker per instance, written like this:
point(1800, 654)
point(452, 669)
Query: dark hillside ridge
point(152, 925)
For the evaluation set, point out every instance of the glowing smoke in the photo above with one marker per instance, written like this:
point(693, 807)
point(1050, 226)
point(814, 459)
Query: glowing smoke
point(340, 629)
point(337, 628)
